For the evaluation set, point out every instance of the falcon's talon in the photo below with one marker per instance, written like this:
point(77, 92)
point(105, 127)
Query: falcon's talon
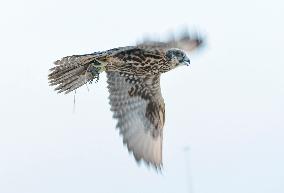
point(95, 70)
point(102, 63)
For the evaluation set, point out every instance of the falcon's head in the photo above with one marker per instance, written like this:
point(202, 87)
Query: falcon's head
point(177, 57)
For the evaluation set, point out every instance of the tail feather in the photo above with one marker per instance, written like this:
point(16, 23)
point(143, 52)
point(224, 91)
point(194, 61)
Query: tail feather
point(72, 72)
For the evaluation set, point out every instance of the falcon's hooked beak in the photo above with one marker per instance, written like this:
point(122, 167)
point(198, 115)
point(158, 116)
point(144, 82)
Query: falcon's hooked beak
point(186, 61)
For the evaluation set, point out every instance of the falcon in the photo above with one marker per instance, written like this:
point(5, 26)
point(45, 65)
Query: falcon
point(133, 77)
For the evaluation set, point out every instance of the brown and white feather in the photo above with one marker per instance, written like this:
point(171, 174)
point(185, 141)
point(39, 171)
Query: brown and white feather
point(140, 110)
point(133, 77)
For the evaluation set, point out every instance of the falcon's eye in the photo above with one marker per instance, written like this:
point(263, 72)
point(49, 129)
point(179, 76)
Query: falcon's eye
point(180, 56)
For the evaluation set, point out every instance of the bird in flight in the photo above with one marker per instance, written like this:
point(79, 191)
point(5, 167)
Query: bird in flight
point(133, 77)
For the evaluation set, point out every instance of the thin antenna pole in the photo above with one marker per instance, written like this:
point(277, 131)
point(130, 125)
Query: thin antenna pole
point(188, 170)
point(74, 102)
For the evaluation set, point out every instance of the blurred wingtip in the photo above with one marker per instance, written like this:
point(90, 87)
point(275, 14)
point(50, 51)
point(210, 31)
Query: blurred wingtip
point(182, 38)
point(195, 35)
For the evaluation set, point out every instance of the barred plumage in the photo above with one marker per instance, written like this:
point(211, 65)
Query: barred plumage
point(133, 74)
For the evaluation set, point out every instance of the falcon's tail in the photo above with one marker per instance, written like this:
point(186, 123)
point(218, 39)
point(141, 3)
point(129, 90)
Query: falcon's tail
point(71, 72)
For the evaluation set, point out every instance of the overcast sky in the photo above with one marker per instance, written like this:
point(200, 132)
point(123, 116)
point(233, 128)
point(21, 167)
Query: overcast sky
point(227, 106)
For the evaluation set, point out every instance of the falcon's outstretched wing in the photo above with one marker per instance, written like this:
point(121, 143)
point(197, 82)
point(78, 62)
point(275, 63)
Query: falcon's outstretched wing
point(138, 105)
point(186, 42)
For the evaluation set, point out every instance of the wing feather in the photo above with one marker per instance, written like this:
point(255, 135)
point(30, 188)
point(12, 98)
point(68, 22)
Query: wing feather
point(186, 42)
point(140, 125)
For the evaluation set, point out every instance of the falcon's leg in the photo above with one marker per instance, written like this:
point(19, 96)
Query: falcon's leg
point(96, 68)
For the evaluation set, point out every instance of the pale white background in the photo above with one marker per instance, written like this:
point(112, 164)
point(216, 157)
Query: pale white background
point(227, 107)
